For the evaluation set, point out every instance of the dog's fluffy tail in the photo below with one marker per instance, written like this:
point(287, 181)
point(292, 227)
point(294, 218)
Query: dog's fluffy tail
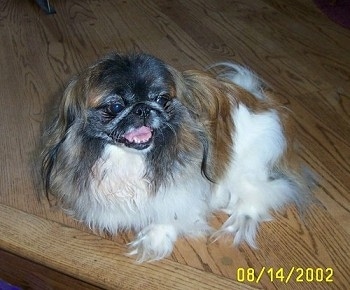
point(241, 76)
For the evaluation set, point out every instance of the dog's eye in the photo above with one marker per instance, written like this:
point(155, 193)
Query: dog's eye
point(163, 100)
point(115, 108)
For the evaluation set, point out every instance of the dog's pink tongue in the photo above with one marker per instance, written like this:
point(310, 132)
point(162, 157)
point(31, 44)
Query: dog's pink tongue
point(142, 134)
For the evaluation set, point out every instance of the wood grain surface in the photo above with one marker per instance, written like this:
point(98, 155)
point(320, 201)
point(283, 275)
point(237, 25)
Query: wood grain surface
point(296, 49)
point(69, 251)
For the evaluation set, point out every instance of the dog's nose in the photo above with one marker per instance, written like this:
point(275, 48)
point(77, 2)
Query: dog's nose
point(142, 110)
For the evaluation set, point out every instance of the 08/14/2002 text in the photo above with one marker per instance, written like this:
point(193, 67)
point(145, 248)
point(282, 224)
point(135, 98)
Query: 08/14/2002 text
point(297, 274)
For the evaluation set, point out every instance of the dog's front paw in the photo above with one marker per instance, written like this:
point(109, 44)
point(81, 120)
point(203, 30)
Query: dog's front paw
point(153, 243)
point(242, 226)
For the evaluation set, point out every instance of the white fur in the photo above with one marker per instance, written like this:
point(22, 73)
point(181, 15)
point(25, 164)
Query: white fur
point(154, 242)
point(247, 188)
point(243, 77)
point(118, 175)
point(123, 201)
point(247, 192)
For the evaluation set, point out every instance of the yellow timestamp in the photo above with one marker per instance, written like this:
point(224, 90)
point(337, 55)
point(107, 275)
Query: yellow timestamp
point(296, 274)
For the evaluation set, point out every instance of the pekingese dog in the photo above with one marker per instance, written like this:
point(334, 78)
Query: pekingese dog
point(138, 145)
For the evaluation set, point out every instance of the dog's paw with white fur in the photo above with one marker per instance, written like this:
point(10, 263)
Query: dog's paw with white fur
point(242, 227)
point(251, 202)
point(153, 243)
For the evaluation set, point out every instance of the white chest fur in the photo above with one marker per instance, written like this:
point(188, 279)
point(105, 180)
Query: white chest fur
point(119, 196)
point(119, 176)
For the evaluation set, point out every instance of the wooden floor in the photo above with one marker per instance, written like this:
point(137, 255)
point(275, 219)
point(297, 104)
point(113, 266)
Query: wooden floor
point(304, 56)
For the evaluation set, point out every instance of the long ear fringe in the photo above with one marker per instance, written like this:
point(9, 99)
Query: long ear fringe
point(56, 133)
point(206, 99)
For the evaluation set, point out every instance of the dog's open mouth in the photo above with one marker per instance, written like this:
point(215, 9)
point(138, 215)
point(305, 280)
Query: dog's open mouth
point(139, 138)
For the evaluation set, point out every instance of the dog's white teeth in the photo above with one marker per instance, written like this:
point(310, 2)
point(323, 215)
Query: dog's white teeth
point(139, 135)
point(138, 141)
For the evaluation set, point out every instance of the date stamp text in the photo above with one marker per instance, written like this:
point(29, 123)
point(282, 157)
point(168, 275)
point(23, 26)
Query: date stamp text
point(297, 274)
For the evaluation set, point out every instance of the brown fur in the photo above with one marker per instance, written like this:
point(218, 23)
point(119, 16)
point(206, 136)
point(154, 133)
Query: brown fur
point(212, 101)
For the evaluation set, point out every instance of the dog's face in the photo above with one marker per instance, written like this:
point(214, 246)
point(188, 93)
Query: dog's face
point(135, 102)
point(131, 101)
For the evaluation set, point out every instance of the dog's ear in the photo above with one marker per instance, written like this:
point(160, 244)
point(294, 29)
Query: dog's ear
point(73, 104)
point(70, 109)
point(182, 92)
